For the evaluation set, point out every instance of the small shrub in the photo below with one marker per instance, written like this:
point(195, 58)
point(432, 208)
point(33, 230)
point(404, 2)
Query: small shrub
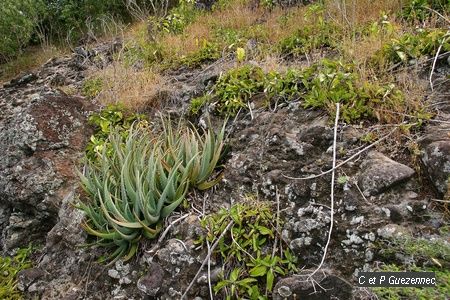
point(197, 104)
point(308, 38)
point(177, 19)
point(9, 268)
point(250, 268)
point(142, 180)
point(419, 10)
point(331, 82)
point(319, 86)
point(284, 87)
point(208, 52)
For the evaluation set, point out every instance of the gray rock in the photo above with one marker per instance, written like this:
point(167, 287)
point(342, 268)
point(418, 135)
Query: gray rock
point(436, 158)
point(299, 287)
point(150, 284)
point(42, 139)
point(379, 173)
point(391, 231)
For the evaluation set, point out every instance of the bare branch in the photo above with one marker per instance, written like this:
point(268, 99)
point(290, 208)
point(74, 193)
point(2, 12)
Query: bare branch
point(331, 195)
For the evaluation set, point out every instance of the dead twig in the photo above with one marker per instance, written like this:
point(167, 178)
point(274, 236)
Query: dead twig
point(348, 159)
point(331, 195)
point(277, 197)
point(439, 200)
point(208, 256)
point(434, 66)
point(209, 270)
point(163, 235)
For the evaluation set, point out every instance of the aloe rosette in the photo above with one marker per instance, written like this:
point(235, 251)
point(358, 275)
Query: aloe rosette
point(133, 188)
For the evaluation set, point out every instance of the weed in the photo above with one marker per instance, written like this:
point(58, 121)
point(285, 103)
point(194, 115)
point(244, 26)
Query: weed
point(197, 104)
point(418, 248)
point(29, 59)
point(413, 46)
point(135, 89)
point(9, 268)
point(92, 87)
point(114, 117)
point(249, 263)
point(234, 89)
point(208, 52)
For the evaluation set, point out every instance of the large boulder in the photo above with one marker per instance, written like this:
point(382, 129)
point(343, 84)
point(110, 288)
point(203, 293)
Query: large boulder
point(43, 134)
point(380, 173)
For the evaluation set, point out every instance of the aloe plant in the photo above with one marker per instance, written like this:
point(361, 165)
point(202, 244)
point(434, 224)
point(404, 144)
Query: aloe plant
point(142, 181)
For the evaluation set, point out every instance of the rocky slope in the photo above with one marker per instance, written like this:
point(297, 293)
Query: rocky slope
point(44, 132)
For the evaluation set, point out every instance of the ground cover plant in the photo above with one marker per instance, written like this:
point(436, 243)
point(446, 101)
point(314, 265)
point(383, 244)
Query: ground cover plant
point(319, 86)
point(250, 251)
point(9, 268)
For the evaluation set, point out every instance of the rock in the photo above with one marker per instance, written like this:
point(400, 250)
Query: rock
point(42, 139)
point(22, 80)
point(380, 173)
point(391, 231)
point(151, 283)
point(436, 158)
point(299, 287)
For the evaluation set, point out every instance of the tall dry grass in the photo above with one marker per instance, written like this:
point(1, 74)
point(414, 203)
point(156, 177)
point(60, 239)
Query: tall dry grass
point(137, 90)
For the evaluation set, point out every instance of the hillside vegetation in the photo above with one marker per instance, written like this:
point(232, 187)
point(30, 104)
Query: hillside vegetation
point(225, 71)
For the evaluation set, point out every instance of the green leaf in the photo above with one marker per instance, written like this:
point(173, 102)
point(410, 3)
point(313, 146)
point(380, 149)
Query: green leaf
point(269, 280)
point(240, 54)
point(258, 271)
point(264, 230)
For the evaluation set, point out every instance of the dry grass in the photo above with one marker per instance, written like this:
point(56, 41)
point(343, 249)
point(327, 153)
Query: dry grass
point(136, 90)
point(29, 60)
point(234, 17)
point(267, 27)
point(352, 13)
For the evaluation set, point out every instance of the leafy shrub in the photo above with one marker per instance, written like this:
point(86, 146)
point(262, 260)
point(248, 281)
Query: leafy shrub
point(332, 82)
point(18, 20)
point(92, 87)
point(9, 268)
point(197, 104)
point(413, 46)
point(114, 117)
point(177, 19)
point(319, 86)
point(249, 265)
point(142, 181)
point(284, 87)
